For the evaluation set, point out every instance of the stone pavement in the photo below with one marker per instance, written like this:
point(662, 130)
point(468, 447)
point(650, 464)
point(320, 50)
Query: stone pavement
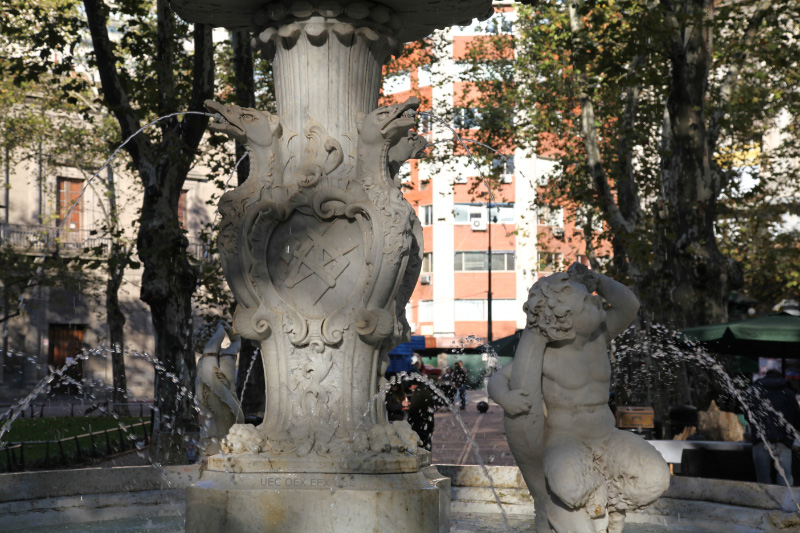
point(450, 443)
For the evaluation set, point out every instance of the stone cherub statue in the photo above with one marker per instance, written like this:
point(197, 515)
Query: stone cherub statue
point(215, 386)
point(583, 473)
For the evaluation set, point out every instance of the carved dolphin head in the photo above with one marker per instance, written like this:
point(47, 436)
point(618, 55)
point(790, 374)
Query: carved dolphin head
point(244, 124)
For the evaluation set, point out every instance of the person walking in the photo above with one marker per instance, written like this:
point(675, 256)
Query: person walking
point(421, 409)
point(773, 396)
point(460, 383)
point(395, 399)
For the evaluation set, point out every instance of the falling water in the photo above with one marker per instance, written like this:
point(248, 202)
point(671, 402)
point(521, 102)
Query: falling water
point(403, 376)
point(256, 353)
point(670, 347)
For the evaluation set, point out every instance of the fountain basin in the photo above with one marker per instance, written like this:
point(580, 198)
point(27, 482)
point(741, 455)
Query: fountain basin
point(106, 499)
point(690, 504)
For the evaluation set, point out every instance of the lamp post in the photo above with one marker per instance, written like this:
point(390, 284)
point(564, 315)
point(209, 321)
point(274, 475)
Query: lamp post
point(489, 253)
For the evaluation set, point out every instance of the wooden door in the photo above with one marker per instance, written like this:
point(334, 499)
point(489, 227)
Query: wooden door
point(66, 342)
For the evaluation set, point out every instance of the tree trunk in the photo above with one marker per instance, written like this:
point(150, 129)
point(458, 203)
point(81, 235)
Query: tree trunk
point(169, 280)
point(117, 258)
point(690, 278)
point(116, 323)
point(168, 283)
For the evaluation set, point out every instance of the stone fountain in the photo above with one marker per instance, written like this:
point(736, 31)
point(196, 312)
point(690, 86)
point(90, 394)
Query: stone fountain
point(322, 253)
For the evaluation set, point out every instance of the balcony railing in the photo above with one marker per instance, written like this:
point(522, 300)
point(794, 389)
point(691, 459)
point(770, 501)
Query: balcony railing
point(35, 239)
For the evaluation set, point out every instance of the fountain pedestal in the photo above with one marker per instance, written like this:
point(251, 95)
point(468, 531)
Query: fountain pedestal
point(311, 501)
point(322, 253)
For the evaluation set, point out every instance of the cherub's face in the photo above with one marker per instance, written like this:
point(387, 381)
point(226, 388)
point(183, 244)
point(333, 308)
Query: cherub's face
point(587, 309)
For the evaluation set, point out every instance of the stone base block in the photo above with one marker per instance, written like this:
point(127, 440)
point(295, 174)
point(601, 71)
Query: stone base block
point(303, 502)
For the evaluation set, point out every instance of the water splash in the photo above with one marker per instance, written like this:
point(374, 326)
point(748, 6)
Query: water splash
point(413, 376)
point(256, 353)
point(669, 348)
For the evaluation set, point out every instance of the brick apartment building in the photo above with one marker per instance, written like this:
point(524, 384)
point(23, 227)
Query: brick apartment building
point(529, 238)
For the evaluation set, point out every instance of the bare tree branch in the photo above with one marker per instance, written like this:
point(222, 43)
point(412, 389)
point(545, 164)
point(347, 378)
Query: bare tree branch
point(113, 90)
point(627, 187)
point(605, 195)
point(165, 57)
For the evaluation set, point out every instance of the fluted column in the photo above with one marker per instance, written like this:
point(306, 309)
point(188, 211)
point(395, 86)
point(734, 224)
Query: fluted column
point(327, 62)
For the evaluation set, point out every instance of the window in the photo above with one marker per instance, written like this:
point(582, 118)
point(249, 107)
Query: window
point(182, 209)
point(477, 310)
point(427, 262)
point(69, 194)
point(465, 118)
point(466, 213)
point(503, 164)
point(426, 214)
point(424, 123)
point(65, 345)
point(425, 311)
point(477, 261)
point(551, 216)
point(502, 213)
point(550, 261)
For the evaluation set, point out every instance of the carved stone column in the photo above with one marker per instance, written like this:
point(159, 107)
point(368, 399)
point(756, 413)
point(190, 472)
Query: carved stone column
point(322, 253)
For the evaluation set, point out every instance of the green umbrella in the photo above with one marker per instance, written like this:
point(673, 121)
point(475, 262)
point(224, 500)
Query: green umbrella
point(767, 336)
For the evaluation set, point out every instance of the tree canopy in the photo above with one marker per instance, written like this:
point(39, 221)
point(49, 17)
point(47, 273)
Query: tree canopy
point(650, 110)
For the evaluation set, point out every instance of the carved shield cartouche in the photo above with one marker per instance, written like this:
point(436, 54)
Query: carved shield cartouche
point(316, 246)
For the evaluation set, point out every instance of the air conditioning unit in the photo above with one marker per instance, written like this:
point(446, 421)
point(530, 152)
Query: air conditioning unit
point(478, 224)
point(558, 232)
point(506, 178)
point(425, 279)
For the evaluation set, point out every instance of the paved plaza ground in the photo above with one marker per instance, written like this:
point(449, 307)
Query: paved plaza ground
point(450, 443)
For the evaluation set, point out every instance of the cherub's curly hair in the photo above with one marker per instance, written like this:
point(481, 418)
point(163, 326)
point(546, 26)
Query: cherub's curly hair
point(545, 309)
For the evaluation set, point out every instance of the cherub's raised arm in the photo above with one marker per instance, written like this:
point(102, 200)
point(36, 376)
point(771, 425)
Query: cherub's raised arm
point(624, 304)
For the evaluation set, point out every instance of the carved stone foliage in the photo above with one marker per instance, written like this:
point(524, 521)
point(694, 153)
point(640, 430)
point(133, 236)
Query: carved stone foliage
point(289, 22)
point(412, 19)
point(322, 259)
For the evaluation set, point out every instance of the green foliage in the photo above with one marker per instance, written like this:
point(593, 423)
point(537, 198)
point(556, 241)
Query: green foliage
point(756, 235)
point(40, 430)
point(62, 427)
point(22, 269)
point(618, 57)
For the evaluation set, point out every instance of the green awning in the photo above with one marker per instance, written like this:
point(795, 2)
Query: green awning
point(774, 328)
point(767, 336)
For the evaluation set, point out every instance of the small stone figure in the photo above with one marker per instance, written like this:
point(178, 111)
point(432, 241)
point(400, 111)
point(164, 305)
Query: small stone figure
point(215, 386)
point(583, 473)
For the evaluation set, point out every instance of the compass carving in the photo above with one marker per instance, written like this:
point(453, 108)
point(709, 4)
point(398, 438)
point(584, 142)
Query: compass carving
point(314, 264)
